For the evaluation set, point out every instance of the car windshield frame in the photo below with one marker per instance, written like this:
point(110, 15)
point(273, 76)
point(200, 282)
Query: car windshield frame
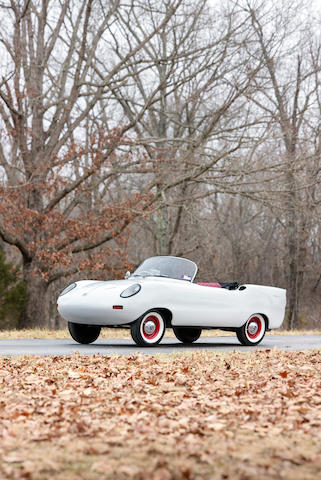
point(166, 266)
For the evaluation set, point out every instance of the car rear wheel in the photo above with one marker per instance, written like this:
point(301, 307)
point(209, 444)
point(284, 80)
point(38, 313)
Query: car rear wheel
point(187, 335)
point(83, 333)
point(148, 330)
point(253, 331)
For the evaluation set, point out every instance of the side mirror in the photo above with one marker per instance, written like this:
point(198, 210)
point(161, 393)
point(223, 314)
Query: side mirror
point(127, 275)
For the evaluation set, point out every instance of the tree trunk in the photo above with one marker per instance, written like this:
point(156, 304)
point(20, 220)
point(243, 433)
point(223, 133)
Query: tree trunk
point(36, 312)
point(292, 227)
point(161, 232)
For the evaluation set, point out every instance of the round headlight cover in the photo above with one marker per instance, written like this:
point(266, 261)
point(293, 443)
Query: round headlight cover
point(130, 291)
point(68, 289)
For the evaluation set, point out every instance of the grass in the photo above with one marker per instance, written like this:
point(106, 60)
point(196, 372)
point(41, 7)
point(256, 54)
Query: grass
point(125, 333)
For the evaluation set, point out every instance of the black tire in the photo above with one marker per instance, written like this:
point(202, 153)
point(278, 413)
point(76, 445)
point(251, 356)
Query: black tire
point(254, 337)
point(148, 330)
point(187, 335)
point(83, 333)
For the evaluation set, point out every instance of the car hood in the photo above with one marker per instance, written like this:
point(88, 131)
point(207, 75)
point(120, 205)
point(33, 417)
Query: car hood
point(101, 289)
point(85, 287)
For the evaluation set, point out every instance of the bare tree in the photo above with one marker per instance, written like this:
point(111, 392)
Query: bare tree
point(49, 87)
point(198, 113)
point(285, 92)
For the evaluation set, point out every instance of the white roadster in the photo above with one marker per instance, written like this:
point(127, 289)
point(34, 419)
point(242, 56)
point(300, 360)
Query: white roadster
point(161, 294)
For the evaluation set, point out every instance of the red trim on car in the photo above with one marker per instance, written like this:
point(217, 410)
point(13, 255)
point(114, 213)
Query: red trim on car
point(215, 285)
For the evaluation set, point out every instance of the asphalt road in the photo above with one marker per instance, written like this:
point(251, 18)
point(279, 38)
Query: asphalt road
point(122, 346)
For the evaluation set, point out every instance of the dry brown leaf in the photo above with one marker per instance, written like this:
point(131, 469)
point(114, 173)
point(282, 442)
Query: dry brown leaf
point(196, 416)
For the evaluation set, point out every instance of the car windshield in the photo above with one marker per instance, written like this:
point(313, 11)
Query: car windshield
point(171, 267)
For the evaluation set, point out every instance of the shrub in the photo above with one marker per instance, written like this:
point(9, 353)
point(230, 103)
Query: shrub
point(13, 294)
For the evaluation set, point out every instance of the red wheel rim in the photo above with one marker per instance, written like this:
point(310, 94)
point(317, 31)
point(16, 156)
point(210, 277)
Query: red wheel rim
point(254, 328)
point(149, 322)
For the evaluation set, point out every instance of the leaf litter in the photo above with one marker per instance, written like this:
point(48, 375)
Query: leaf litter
point(200, 415)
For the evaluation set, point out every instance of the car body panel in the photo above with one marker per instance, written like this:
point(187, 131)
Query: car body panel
point(92, 302)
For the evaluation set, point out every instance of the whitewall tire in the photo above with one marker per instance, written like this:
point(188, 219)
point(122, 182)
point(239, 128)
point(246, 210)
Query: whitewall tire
point(253, 331)
point(149, 329)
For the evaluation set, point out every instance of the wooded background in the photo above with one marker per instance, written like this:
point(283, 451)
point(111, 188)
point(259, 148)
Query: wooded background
point(139, 128)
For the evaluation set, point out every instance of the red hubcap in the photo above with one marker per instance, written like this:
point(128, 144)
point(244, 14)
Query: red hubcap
point(151, 327)
point(254, 328)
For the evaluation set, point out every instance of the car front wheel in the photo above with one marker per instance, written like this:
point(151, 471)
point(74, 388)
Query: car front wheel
point(82, 333)
point(148, 330)
point(253, 331)
point(187, 335)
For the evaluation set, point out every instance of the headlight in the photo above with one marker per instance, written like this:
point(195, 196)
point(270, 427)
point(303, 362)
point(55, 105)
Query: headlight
point(130, 291)
point(68, 289)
